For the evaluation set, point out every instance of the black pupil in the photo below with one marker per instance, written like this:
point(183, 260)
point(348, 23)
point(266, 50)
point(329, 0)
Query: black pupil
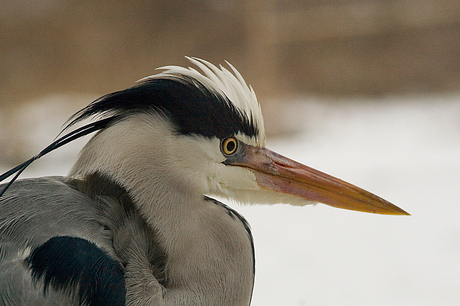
point(230, 146)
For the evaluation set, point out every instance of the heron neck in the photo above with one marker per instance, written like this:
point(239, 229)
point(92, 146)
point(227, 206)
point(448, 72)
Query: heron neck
point(140, 154)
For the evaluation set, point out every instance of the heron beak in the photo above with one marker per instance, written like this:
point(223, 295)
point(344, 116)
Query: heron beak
point(281, 174)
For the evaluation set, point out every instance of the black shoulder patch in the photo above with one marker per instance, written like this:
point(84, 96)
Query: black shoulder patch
point(71, 263)
point(191, 106)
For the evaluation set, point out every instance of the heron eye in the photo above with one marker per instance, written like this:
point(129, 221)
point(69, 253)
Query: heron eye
point(229, 146)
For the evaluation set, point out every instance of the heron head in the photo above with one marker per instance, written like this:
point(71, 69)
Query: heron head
point(213, 137)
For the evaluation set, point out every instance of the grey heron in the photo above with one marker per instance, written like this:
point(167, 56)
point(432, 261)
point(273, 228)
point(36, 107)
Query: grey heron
point(135, 221)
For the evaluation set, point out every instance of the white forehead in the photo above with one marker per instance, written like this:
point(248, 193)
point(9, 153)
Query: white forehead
point(223, 81)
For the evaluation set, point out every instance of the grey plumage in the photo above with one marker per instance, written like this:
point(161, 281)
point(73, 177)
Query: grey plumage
point(32, 212)
point(94, 209)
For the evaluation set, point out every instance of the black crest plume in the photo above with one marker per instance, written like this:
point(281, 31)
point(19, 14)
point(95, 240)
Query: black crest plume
point(192, 106)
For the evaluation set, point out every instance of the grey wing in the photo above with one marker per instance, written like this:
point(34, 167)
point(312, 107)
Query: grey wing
point(55, 248)
point(17, 286)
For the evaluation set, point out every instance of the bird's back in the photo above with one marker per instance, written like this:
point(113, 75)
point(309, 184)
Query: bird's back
point(53, 236)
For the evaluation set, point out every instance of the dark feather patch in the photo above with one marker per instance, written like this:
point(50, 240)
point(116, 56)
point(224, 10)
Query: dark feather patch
point(70, 263)
point(190, 105)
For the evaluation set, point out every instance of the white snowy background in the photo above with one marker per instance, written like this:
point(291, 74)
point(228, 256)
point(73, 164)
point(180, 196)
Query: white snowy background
point(406, 150)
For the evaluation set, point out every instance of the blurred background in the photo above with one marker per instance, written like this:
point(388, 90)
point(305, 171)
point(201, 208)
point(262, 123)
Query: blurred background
point(285, 49)
point(367, 90)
